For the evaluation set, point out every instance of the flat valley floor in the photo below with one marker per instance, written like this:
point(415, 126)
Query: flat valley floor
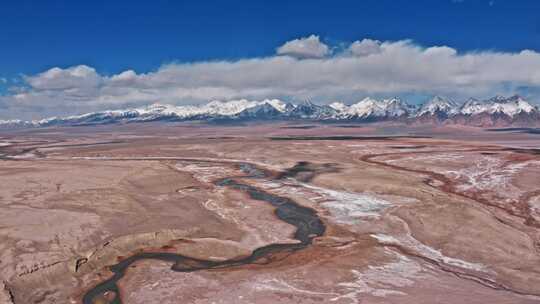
point(271, 213)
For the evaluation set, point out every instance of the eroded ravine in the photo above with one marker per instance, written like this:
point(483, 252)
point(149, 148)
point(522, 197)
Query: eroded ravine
point(449, 186)
point(308, 226)
point(446, 185)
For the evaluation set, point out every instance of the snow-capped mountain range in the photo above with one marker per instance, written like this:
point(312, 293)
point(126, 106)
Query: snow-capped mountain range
point(494, 111)
point(439, 106)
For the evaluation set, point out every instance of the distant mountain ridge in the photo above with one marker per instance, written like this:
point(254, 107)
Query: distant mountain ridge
point(496, 111)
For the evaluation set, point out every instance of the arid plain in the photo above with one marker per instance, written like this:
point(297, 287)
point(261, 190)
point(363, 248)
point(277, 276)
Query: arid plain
point(269, 213)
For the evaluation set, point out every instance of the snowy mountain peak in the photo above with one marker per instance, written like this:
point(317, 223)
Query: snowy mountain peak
point(395, 107)
point(438, 105)
point(309, 110)
point(497, 98)
point(502, 99)
point(393, 101)
point(373, 108)
point(510, 106)
point(231, 107)
point(278, 104)
point(338, 106)
point(473, 111)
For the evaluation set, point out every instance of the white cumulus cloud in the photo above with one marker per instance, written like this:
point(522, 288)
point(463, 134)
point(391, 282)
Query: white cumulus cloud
point(76, 77)
point(365, 67)
point(365, 47)
point(309, 47)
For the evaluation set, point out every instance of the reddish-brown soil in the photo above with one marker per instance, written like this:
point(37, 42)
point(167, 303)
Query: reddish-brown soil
point(433, 216)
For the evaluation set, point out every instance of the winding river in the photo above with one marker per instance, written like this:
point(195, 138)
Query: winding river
point(308, 226)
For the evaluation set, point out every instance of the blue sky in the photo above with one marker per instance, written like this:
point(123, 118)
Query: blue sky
point(112, 37)
point(116, 35)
